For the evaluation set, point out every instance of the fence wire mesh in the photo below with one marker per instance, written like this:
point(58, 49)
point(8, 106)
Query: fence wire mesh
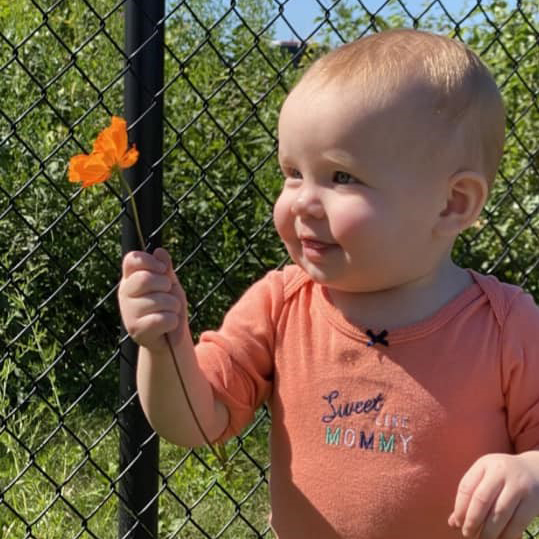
point(62, 67)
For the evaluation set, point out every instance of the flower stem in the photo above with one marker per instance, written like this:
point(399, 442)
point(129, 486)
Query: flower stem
point(135, 211)
point(218, 450)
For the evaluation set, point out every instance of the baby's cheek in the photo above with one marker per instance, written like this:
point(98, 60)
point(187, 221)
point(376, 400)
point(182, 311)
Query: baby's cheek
point(283, 218)
point(353, 222)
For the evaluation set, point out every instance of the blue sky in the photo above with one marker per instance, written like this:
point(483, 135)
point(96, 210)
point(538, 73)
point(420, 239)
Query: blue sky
point(301, 13)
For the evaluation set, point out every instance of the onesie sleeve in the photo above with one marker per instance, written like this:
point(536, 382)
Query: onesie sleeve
point(237, 359)
point(520, 372)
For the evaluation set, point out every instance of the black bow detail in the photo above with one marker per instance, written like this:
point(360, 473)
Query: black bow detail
point(381, 338)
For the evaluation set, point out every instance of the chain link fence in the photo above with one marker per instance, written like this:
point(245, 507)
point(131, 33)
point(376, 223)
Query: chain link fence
point(63, 64)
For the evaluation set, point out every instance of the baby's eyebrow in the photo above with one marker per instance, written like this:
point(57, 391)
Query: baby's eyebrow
point(340, 157)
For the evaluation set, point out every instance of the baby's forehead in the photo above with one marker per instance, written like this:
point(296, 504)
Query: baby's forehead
point(423, 87)
point(413, 103)
point(397, 127)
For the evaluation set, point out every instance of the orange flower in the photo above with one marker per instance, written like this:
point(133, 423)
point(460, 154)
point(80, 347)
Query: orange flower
point(110, 153)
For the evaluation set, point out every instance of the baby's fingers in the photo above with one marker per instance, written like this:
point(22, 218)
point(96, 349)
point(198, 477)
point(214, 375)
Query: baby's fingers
point(143, 283)
point(152, 303)
point(465, 491)
point(476, 495)
point(148, 331)
point(163, 256)
point(523, 514)
point(139, 261)
point(502, 517)
point(481, 504)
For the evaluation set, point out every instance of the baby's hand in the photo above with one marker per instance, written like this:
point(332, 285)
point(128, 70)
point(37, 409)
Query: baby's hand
point(152, 301)
point(498, 496)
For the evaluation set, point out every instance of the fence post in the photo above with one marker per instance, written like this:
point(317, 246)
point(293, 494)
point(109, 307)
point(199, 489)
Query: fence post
point(139, 446)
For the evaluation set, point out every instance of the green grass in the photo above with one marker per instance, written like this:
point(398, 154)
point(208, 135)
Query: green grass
point(61, 482)
point(238, 495)
point(58, 489)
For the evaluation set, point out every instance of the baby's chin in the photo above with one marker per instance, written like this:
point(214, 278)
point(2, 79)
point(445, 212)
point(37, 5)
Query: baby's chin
point(331, 271)
point(346, 284)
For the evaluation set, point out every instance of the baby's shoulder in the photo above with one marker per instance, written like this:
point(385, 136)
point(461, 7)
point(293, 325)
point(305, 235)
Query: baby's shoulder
point(290, 280)
point(512, 305)
point(294, 279)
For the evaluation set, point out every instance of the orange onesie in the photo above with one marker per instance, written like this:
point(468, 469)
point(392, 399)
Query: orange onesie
point(371, 430)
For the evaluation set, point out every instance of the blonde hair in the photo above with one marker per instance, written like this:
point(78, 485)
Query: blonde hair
point(461, 92)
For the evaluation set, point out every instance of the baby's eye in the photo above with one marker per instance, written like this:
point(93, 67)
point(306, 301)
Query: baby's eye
point(294, 173)
point(343, 178)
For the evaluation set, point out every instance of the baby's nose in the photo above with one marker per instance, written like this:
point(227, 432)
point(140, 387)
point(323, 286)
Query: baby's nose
point(308, 203)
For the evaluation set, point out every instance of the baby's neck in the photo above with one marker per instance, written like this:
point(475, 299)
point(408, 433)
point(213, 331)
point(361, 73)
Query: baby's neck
point(403, 305)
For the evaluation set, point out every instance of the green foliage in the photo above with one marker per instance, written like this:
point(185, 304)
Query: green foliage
point(505, 239)
point(221, 119)
point(61, 250)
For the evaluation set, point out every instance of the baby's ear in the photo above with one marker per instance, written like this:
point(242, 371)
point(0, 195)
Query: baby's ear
point(467, 193)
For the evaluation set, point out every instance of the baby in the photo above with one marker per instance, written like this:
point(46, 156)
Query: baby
point(403, 389)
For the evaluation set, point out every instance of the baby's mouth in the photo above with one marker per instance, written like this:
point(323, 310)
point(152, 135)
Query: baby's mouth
point(315, 250)
point(314, 244)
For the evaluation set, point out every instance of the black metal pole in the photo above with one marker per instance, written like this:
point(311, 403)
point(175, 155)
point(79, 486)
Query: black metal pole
point(139, 446)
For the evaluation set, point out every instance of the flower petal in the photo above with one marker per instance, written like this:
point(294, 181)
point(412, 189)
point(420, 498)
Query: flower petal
point(76, 166)
point(109, 152)
point(118, 129)
point(130, 157)
point(112, 141)
point(104, 144)
point(95, 170)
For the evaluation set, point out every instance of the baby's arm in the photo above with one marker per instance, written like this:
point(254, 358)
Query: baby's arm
point(498, 497)
point(152, 303)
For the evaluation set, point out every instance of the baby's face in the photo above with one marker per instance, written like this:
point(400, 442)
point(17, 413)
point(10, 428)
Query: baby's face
point(360, 194)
